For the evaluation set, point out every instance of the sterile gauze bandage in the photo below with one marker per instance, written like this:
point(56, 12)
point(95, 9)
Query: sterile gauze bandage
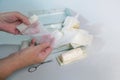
point(71, 56)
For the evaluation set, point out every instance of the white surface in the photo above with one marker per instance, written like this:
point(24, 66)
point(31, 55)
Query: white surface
point(103, 62)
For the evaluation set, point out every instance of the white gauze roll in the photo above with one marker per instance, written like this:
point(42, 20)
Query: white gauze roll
point(71, 56)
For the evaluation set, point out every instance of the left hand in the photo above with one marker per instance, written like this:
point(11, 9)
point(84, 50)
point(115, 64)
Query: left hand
point(10, 20)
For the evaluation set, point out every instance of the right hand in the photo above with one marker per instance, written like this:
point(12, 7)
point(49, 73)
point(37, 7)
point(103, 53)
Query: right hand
point(28, 56)
point(34, 54)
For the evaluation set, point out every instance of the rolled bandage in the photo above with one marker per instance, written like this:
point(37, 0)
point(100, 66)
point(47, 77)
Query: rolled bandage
point(71, 56)
point(81, 38)
point(24, 44)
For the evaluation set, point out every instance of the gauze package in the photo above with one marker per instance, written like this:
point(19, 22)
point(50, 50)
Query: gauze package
point(81, 38)
point(70, 33)
point(36, 30)
point(75, 37)
point(73, 34)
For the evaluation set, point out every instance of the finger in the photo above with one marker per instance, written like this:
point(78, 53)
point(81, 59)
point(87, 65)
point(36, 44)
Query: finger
point(43, 55)
point(17, 31)
point(43, 46)
point(33, 42)
point(22, 18)
point(48, 50)
point(11, 30)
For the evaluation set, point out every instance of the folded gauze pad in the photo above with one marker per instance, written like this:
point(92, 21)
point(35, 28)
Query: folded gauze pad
point(71, 56)
point(29, 29)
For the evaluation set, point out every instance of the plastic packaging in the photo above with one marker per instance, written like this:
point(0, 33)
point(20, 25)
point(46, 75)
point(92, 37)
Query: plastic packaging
point(36, 31)
point(71, 22)
point(33, 28)
point(76, 38)
point(70, 34)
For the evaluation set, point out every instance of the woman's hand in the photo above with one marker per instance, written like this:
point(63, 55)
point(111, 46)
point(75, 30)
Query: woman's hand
point(10, 20)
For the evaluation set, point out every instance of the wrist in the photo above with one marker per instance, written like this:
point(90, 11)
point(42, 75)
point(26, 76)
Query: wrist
point(10, 64)
point(16, 61)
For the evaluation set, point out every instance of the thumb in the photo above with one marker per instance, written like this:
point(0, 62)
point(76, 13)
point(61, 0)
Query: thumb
point(22, 18)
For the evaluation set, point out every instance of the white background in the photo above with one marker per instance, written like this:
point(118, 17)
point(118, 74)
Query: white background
point(104, 18)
